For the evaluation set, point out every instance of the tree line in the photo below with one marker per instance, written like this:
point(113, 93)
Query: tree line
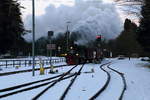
point(11, 28)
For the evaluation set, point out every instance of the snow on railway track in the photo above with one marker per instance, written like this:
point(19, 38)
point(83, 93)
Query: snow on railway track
point(58, 79)
point(91, 80)
point(15, 90)
point(123, 80)
point(51, 85)
point(113, 82)
point(87, 83)
point(71, 83)
point(8, 91)
point(30, 88)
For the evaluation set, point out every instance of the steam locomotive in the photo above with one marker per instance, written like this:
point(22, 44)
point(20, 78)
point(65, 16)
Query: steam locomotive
point(84, 55)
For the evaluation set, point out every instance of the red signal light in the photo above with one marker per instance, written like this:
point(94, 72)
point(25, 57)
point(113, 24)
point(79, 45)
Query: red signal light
point(98, 36)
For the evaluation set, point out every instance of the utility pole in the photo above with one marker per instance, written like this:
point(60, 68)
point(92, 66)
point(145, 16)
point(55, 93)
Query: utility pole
point(33, 41)
point(67, 33)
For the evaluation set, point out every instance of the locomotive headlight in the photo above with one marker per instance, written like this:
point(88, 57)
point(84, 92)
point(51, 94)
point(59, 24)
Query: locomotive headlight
point(77, 54)
point(65, 54)
point(71, 48)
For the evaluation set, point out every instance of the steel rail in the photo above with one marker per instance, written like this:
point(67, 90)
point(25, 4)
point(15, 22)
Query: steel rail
point(33, 87)
point(124, 82)
point(71, 83)
point(51, 85)
point(27, 84)
point(105, 85)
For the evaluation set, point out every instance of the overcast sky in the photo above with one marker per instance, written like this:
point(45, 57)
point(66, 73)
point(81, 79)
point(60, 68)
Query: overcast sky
point(40, 5)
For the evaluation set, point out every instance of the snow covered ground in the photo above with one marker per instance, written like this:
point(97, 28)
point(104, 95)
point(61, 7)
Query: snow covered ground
point(11, 68)
point(88, 82)
point(137, 76)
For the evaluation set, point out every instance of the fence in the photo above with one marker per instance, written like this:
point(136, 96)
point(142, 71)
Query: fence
point(13, 63)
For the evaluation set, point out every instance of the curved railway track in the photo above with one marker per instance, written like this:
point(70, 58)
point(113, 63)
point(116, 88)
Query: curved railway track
point(27, 86)
point(52, 81)
point(124, 82)
point(98, 93)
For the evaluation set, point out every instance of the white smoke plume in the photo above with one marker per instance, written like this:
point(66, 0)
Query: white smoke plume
point(89, 18)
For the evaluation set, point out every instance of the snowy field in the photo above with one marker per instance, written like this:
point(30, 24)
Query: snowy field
point(88, 82)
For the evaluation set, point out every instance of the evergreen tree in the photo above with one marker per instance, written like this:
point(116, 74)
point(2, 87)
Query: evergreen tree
point(11, 26)
point(144, 28)
point(126, 43)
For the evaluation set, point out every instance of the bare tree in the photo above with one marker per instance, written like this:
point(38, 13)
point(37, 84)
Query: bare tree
point(130, 7)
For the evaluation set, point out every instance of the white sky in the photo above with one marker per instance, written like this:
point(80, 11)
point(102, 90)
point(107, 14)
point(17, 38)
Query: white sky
point(40, 5)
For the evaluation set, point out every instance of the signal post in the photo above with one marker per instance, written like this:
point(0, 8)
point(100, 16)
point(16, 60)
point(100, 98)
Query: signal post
point(51, 47)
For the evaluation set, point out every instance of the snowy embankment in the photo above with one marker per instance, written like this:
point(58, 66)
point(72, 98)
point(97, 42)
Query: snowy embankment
point(91, 79)
point(137, 77)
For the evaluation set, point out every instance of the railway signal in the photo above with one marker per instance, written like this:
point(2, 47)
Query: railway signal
point(98, 40)
point(98, 37)
point(50, 45)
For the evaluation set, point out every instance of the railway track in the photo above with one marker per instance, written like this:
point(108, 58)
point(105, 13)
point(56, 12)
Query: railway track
point(40, 83)
point(98, 93)
point(59, 79)
point(124, 82)
point(52, 81)
point(28, 70)
point(71, 83)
